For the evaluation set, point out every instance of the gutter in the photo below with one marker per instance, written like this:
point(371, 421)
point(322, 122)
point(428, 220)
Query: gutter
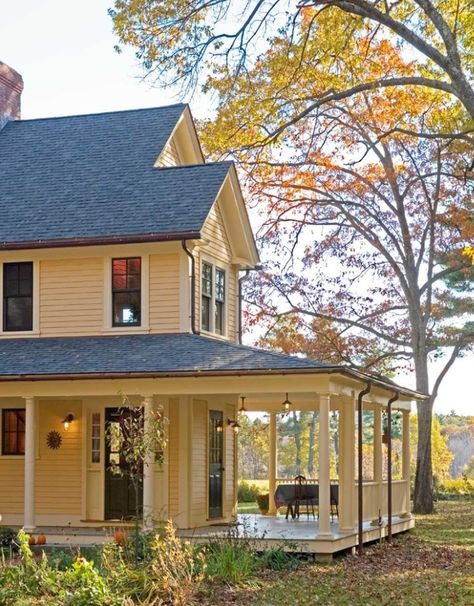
point(360, 486)
point(210, 373)
point(94, 241)
point(193, 287)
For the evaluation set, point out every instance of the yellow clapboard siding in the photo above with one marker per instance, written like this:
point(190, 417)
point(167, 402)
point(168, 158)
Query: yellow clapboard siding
point(58, 472)
point(71, 296)
point(164, 293)
point(169, 156)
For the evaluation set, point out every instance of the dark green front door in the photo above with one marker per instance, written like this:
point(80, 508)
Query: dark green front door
point(216, 454)
point(119, 492)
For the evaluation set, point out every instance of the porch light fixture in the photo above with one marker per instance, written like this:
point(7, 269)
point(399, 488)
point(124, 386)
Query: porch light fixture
point(68, 419)
point(219, 427)
point(286, 403)
point(234, 424)
point(242, 408)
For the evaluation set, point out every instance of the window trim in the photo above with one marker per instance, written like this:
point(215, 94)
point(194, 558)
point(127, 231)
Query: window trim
point(36, 301)
point(2, 416)
point(212, 326)
point(116, 291)
point(108, 326)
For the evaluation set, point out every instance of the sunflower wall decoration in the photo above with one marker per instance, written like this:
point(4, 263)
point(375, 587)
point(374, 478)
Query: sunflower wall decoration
point(53, 440)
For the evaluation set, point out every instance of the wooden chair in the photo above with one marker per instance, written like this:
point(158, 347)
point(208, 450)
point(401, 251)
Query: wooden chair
point(302, 496)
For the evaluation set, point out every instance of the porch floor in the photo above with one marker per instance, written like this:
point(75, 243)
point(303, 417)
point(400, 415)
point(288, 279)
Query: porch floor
point(300, 535)
point(263, 532)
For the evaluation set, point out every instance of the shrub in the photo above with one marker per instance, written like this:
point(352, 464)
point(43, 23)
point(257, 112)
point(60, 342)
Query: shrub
point(247, 493)
point(230, 562)
point(278, 559)
point(458, 487)
point(263, 501)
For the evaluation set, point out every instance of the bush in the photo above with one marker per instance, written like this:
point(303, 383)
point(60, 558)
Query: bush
point(247, 493)
point(263, 501)
point(458, 487)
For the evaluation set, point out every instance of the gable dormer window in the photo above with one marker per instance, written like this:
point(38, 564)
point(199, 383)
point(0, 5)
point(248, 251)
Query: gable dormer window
point(213, 299)
point(17, 296)
point(126, 291)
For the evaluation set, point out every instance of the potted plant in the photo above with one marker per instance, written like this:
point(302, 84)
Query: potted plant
point(263, 503)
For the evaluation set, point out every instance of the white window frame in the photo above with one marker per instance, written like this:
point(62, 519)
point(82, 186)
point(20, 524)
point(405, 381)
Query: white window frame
point(36, 302)
point(144, 326)
point(212, 312)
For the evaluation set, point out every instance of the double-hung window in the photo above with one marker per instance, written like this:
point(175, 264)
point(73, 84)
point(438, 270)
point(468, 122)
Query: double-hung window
point(126, 291)
point(17, 296)
point(13, 431)
point(213, 299)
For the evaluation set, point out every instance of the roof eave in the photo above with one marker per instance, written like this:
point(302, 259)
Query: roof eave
point(216, 373)
point(97, 241)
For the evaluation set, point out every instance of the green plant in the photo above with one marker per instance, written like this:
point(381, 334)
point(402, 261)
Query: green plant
point(139, 438)
point(263, 502)
point(230, 562)
point(247, 493)
point(278, 559)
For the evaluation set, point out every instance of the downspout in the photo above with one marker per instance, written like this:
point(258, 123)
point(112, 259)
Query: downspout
point(360, 487)
point(242, 279)
point(393, 399)
point(193, 287)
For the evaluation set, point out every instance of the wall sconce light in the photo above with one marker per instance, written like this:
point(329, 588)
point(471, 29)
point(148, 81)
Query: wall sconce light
point(286, 403)
point(219, 428)
point(242, 409)
point(68, 419)
point(234, 424)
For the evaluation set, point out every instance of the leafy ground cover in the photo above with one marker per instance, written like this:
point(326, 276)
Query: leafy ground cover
point(433, 565)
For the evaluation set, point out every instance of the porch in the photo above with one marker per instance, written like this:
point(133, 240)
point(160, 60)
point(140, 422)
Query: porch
point(299, 536)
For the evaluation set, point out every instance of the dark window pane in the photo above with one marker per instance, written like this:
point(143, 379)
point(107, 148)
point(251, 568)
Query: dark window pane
point(17, 296)
point(13, 429)
point(19, 313)
point(220, 285)
point(133, 281)
point(205, 313)
point(207, 279)
point(126, 308)
point(219, 318)
point(134, 265)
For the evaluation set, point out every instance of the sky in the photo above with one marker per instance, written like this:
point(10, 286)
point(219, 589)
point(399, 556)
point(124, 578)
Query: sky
point(65, 52)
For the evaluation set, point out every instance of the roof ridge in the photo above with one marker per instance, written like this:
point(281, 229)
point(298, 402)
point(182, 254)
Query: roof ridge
point(105, 113)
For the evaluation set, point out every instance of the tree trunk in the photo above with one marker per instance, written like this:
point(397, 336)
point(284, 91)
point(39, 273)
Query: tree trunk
point(423, 495)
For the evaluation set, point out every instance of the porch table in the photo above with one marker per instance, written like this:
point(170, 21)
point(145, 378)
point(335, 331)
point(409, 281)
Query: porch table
point(285, 496)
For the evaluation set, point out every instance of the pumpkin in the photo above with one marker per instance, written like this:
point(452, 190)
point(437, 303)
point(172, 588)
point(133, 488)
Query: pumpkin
point(41, 540)
point(31, 540)
point(119, 537)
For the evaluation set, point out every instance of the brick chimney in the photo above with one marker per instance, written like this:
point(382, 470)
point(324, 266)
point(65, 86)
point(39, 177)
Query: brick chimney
point(11, 86)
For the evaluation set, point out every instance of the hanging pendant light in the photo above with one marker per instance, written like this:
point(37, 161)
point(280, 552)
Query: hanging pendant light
point(286, 403)
point(242, 409)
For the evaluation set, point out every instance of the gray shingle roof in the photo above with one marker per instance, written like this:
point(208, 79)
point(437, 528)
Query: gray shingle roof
point(138, 354)
point(92, 176)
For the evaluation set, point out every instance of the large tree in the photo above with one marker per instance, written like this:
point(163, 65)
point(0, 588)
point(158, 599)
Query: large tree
point(370, 224)
point(177, 40)
point(293, 84)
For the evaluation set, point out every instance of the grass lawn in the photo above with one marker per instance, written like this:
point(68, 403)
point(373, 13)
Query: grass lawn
point(430, 566)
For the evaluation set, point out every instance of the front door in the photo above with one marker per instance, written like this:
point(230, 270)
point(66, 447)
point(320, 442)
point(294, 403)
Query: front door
point(119, 491)
point(216, 454)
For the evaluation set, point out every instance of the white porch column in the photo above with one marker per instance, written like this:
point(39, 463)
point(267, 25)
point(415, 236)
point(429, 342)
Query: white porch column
point(347, 467)
point(30, 456)
point(148, 471)
point(272, 464)
point(324, 479)
point(406, 457)
point(378, 458)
